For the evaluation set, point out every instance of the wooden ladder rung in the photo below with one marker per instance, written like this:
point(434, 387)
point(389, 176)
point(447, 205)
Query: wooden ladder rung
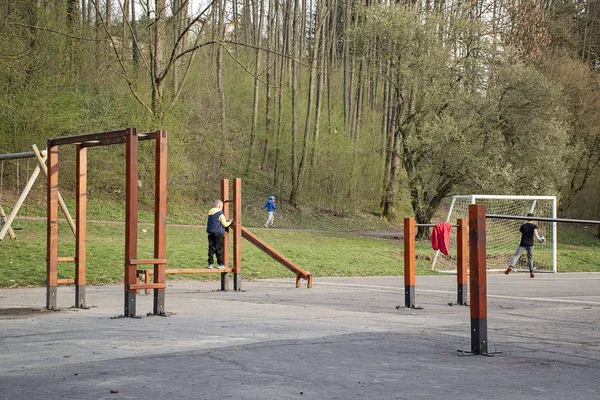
point(138, 286)
point(66, 259)
point(149, 261)
point(187, 271)
point(65, 281)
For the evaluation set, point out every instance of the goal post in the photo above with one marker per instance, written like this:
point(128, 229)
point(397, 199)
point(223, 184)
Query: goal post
point(502, 235)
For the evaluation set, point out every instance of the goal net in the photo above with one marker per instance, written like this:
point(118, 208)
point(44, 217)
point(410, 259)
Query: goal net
point(502, 235)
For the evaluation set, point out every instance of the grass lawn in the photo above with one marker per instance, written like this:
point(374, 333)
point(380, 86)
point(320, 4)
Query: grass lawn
point(323, 253)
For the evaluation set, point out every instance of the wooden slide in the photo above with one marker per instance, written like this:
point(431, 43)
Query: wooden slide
point(300, 273)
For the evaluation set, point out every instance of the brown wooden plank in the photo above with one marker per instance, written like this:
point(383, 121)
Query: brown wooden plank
point(149, 135)
point(137, 286)
point(477, 261)
point(66, 259)
point(80, 139)
point(131, 207)
point(148, 261)
point(409, 252)
point(81, 216)
point(237, 226)
point(190, 271)
point(225, 200)
point(52, 218)
point(274, 254)
point(65, 281)
point(101, 138)
point(160, 208)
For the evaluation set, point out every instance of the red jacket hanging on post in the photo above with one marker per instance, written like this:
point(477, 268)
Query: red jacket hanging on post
point(440, 237)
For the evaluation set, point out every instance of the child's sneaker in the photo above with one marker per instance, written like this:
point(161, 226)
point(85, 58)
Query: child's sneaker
point(210, 266)
point(266, 226)
point(508, 270)
point(221, 266)
point(531, 275)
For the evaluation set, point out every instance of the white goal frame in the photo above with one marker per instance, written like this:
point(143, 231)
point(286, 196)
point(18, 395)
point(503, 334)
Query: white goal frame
point(473, 200)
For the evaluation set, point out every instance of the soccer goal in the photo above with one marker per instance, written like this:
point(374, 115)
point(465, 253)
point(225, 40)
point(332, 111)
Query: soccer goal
point(502, 235)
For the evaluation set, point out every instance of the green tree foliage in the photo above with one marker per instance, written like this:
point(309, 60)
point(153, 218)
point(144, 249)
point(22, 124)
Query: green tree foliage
point(393, 105)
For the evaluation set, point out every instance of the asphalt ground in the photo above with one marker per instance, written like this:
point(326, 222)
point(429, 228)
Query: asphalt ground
point(342, 339)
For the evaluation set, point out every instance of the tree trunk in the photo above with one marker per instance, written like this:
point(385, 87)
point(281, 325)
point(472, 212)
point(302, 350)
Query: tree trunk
point(135, 52)
point(108, 19)
point(273, 9)
point(219, 66)
point(159, 59)
point(258, 16)
point(125, 25)
point(320, 84)
point(309, 106)
point(282, 48)
point(347, 67)
point(295, 42)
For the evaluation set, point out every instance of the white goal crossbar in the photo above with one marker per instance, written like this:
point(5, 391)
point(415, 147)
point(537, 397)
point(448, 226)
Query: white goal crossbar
point(503, 236)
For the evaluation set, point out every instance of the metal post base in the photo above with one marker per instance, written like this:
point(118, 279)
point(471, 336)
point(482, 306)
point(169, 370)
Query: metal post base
point(237, 282)
point(479, 340)
point(462, 295)
point(51, 303)
point(80, 297)
point(224, 281)
point(409, 296)
point(409, 299)
point(159, 302)
point(129, 311)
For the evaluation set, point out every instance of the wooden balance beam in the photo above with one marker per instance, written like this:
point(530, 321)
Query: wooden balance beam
point(300, 273)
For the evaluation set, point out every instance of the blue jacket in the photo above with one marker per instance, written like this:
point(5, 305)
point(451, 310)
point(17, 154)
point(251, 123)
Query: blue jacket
point(216, 223)
point(270, 206)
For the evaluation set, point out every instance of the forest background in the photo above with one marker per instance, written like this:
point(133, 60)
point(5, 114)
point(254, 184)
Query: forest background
point(338, 108)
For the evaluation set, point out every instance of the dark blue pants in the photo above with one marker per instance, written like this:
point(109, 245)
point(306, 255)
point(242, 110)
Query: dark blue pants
point(215, 248)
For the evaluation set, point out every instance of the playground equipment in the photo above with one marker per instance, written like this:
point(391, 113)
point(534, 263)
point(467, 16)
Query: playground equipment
point(130, 137)
point(239, 232)
point(410, 261)
point(7, 221)
point(477, 266)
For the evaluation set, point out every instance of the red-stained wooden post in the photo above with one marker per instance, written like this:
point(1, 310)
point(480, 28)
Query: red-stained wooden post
point(131, 220)
point(225, 200)
point(237, 234)
point(409, 262)
point(52, 229)
point(160, 220)
point(461, 260)
point(477, 264)
point(81, 227)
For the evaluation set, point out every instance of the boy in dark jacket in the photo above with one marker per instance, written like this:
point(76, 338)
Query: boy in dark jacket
point(215, 227)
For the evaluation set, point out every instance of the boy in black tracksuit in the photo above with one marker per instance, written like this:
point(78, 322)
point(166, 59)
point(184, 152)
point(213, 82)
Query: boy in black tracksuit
point(215, 227)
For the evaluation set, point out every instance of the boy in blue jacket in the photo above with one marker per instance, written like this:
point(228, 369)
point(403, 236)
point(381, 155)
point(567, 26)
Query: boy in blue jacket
point(215, 227)
point(270, 206)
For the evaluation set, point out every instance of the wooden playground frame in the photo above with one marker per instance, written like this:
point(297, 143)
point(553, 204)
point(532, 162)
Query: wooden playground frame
point(239, 232)
point(131, 138)
point(410, 261)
